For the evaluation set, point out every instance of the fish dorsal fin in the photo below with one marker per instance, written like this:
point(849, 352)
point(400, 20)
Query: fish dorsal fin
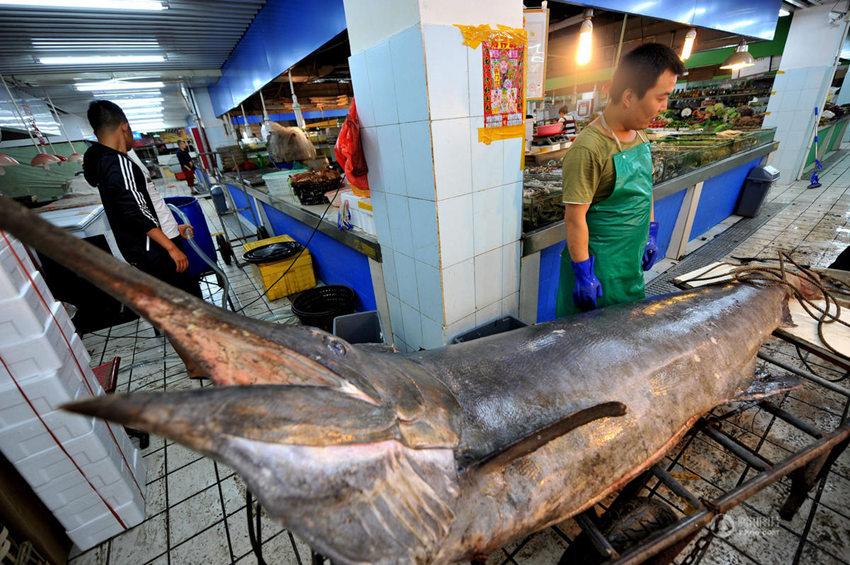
point(768, 385)
point(541, 436)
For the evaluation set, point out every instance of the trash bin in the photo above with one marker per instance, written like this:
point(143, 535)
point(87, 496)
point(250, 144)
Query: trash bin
point(756, 185)
point(506, 324)
point(190, 206)
point(360, 327)
point(218, 199)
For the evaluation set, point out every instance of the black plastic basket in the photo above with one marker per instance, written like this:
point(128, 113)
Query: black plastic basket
point(319, 306)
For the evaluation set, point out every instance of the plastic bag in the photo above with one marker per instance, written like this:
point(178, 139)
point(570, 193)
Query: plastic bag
point(349, 151)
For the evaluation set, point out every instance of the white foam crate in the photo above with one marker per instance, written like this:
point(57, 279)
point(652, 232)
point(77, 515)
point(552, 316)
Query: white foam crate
point(24, 396)
point(122, 487)
point(83, 360)
point(361, 211)
point(41, 354)
point(105, 526)
point(40, 434)
point(96, 532)
point(25, 314)
point(15, 265)
point(96, 452)
point(80, 511)
point(140, 469)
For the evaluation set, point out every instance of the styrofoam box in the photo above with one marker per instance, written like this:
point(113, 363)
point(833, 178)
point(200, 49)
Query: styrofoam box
point(37, 435)
point(79, 511)
point(111, 476)
point(22, 397)
point(361, 211)
point(105, 526)
point(25, 314)
point(140, 468)
point(78, 350)
point(14, 266)
point(96, 450)
point(43, 353)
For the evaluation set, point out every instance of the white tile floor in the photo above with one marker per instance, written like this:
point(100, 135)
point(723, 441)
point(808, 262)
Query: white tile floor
point(196, 507)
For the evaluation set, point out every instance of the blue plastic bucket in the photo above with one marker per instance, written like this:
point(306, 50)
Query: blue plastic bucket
point(190, 206)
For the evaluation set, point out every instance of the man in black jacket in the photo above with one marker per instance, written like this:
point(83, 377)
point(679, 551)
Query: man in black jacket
point(144, 228)
point(186, 165)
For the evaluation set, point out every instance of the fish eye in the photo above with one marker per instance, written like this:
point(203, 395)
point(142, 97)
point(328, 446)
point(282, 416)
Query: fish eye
point(336, 346)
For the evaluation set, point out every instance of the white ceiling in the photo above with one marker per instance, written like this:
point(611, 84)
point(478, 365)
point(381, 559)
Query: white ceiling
point(194, 37)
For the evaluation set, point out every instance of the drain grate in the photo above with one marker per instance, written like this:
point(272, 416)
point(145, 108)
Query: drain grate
point(714, 250)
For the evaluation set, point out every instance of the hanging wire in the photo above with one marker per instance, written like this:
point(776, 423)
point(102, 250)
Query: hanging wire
point(765, 275)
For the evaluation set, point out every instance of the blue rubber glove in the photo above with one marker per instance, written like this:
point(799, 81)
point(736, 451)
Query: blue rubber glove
point(650, 255)
point(588, 288)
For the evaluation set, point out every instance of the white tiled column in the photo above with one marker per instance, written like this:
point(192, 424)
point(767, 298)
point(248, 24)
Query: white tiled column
point(802, 83)
point(447, 208)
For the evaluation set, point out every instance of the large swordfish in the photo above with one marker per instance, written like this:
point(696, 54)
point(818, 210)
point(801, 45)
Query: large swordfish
point(441, 455)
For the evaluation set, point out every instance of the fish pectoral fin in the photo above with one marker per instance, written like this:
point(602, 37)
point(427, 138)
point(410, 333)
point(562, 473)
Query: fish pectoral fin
point(540, 437)
point(762, 387)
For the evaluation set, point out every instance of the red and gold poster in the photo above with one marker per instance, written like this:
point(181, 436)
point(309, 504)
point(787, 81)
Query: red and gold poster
point(504, 83)
point(503, 64)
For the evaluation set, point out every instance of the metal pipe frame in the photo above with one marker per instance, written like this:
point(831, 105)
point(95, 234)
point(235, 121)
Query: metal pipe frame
point(691, 524)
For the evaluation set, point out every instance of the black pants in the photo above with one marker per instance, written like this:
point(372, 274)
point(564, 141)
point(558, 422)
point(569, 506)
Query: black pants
point(158, 263)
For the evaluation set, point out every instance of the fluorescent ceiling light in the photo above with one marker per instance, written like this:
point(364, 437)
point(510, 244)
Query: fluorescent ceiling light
point(143, 112)
point(146, 119)
point(117, 85)
point(690, 37)
point(101, 60)
point(585, 39)
point(141, 95)
point(137, 5)
point(152, 44)
point(140, 102)
point(148, 127)
point(783, 12)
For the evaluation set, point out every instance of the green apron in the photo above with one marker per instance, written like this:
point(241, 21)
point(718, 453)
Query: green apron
point(619, 229)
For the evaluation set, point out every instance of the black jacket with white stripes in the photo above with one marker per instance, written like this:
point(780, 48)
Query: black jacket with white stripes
point(123, 191)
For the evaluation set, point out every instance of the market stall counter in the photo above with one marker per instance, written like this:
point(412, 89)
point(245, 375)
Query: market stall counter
point(349, 257)
point(697, 183)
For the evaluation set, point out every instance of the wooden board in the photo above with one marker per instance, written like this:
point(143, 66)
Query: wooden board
point(805, 330)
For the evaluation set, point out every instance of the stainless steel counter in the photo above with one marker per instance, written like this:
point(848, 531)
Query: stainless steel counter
point(356, 239)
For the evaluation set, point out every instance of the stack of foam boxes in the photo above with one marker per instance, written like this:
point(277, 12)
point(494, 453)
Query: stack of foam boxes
point(87, 472)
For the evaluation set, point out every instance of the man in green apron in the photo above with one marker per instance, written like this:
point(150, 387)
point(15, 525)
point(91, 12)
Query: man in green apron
point(611, 232)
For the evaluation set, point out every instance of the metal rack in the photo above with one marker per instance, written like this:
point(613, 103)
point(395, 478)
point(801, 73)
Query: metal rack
point(223, 240)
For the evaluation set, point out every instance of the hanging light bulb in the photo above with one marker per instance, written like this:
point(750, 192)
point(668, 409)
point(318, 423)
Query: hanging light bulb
point(585, 39)
point(739, 59)
point(690, 37)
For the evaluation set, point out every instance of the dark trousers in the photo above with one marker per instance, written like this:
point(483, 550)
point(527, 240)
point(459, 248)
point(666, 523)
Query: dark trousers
point(158, 263)
point(190, 176)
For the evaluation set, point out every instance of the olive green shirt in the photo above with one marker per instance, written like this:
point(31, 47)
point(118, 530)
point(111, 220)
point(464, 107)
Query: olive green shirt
point(588, 167)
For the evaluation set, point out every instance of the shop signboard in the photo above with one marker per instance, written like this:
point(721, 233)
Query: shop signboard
point(536, 24)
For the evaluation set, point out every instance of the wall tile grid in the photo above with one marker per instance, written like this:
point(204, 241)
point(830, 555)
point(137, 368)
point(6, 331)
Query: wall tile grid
point(78, 466)
point(791, 112)
point(441, 199)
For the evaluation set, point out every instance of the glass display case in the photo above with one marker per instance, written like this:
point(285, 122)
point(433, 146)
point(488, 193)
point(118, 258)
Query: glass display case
point(673, 155)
